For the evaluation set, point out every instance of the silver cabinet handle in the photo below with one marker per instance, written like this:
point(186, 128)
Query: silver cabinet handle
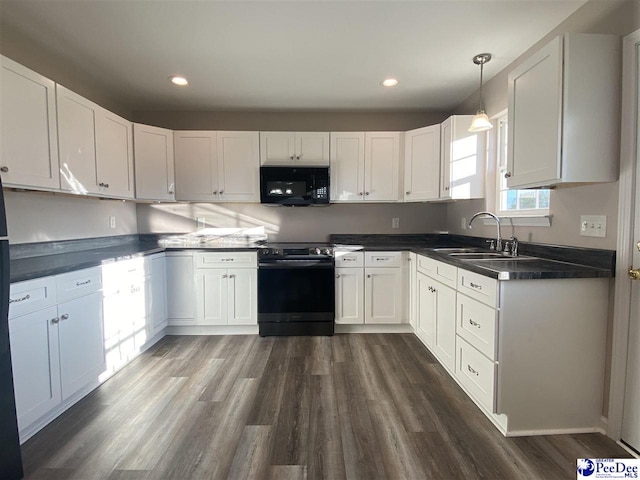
point(475, 285)
point(224, 276)
point(4, 169)
point(55, 320)
point(290, 157)
point(64, 317)
point(368, 276)
point(105, 185)
point(232, 275)
point(170, 192)
point(475, 372)
point(298, 157)
point(361, 193)
point(407, 193)
point(221, 192)
point(366, 193)
point(446, 188)
point(507, 174)
point(80, 284)
point(475, 324)
point(21, 299)
point(215, 192)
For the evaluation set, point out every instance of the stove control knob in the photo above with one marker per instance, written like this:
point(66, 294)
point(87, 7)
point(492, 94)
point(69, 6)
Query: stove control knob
point(327, 251)
point(317, 251)
point(266, 252)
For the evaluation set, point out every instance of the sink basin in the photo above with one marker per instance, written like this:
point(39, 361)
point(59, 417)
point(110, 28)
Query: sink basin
point(454, 250)
point(478, 255)
point(507, 257)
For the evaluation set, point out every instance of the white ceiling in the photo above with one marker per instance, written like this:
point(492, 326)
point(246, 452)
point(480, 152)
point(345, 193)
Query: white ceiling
point(285, 55)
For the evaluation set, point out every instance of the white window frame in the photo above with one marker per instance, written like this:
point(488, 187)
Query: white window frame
point(501, 167)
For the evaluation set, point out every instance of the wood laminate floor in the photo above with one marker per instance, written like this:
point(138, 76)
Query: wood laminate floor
point(343, 407)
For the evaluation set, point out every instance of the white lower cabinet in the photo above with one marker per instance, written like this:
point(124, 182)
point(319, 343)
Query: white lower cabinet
point(57, 343)
point(513, 345)
point(226, 296)
point(157, 292)
point(181, 305)
point(350, 295)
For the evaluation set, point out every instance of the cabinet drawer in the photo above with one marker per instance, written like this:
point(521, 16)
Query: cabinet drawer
point(117, 276)
point(227, 260)
point(349, 259)
point(477, 374)
point(440, 271)
point(383, 259)
point(77, 284)
point(477, 286)
point(476, 323)
point(32, 295)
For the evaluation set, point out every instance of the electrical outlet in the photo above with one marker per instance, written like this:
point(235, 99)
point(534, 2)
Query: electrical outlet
point(593, 225)
point(395, 222)
point(201, 222)
point(463, 223)
point(112, 221)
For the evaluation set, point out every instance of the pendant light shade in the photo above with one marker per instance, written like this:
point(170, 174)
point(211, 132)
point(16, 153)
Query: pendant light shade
point(480, 121)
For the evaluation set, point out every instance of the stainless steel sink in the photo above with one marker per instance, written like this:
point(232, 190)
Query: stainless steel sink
point(507, 258)
point(454, 250)
point(478, 255)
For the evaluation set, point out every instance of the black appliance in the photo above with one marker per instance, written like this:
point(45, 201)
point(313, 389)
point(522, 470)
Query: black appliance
point(294, 186)
point(296, 289)
point(10, 456)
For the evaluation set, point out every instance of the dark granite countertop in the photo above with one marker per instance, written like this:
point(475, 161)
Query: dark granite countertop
point(31, 261)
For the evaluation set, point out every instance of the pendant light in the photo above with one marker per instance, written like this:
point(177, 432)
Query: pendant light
point(480, 121)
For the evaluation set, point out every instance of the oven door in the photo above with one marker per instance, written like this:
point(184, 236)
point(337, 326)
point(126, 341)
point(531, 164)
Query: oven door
point(296, 291)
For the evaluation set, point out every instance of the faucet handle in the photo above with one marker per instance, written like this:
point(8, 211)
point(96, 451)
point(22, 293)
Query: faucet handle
point(492, 244)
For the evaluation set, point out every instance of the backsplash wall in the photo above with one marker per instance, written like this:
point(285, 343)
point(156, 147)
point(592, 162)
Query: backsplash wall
point(294, 224)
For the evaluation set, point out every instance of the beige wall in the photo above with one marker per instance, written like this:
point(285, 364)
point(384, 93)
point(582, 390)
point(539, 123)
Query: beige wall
point(619, 17)
point(42, 217)
point(290, 121)
point(294, 224)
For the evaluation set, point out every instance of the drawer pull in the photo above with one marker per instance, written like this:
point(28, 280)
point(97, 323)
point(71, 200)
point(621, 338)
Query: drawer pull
point(55, 320)
point(472, 370)
point(22, 299)
point(382, 259)
point(135, 289)
point(86, 282)
point(475, 324)
point(345, 259)
point(475, 285)
point(227, 260)
point(64, 317)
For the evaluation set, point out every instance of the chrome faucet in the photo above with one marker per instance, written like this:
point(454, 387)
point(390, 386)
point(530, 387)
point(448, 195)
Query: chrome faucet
point(498, 238)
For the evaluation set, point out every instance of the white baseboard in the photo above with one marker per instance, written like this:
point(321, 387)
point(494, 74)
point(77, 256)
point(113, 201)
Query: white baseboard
point(401, 328)
point(554, 431)
point(212, 330)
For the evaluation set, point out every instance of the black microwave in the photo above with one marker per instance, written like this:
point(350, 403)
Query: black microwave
point(294, 186)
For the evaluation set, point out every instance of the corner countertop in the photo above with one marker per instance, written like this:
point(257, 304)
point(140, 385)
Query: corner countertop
point(53, 258)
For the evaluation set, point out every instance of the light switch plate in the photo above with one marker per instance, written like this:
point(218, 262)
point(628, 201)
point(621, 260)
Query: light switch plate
point(593, 225)
point(112, 221)
point(463, 223)
point(201, 222)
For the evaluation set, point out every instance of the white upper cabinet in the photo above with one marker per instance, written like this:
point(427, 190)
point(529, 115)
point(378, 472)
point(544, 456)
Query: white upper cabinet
point(347, 166)
point(196, 157)
point(462, 159)
point(422, 164)
point(96, 148)
point(153, 153)
point(114, 152)
point(217, 166)
point(28, 128)
point(77, 144)
point(365, 167)
point(294, 148)
point(382, 166)
point(238, 167)
point(554, 97)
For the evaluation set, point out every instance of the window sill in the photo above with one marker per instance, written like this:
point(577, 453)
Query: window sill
point(522, 221)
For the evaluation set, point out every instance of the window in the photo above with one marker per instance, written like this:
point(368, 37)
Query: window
point(518, 203)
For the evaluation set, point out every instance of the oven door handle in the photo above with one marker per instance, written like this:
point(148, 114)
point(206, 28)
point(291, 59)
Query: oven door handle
point(274, 264)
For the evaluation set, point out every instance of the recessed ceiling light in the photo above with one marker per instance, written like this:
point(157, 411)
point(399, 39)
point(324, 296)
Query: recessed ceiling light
point(390, 82)
point(178, 80)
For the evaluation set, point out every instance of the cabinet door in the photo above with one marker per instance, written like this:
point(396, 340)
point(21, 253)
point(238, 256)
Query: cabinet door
point(239, 167)
point(350, 295)
point(82, 355)
point(28, 133)
point(382, 166)
point(153, 152)
point(36, 364)
point(444, 340)
point(462, 159)
point(422, 164)
point(535, 102)
point(157, 297)
point(383, 295)
point(77, 142)
point(413, 290)
point(277, 148)
point(347, 166)
point(114, 154)
point(196, 159)
point(425, 309)
point(180, 289)
point(312, 148)
point(211, 296)
point(242, 296)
